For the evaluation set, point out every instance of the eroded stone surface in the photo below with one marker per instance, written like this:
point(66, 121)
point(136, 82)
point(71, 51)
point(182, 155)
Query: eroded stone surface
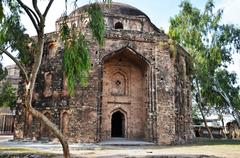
point(138, 88)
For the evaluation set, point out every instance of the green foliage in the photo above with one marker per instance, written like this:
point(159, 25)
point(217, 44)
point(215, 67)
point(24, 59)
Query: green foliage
point(1, 10)
point(76, 57)
point(76, 53)
point(76, 61)
point(12, 34)
point(228, 82)
point(65, 30)
point(195, 115)
point(189, 65)
point(12, 5)
point(96, 22)
point(7, 95)
point(210, 44)
point(3, 72)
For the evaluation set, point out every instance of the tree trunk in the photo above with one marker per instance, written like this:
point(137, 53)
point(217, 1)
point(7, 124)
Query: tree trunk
point(227, 100)
point(54, 129)
point(29, 95)
point(223, 127)
point(235, 112)
point(205, 122)
point(200, 105)
point(38, 21)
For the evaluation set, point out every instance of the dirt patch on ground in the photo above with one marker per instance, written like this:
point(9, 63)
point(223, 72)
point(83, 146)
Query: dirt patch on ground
point(203, 148)
point(26, 155)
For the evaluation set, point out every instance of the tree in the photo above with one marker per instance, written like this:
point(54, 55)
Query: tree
point(225, 87)
point(3, 72)
point(8, 96)
point(30, 51)
point(209, 43)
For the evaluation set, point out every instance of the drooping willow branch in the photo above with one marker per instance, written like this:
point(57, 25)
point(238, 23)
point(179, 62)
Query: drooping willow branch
point(76, 52)
point(96, 22)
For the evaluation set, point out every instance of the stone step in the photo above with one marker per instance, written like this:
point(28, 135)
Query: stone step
point(126, 142)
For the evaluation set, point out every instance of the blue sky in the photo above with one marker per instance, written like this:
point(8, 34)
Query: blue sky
point(159, 11)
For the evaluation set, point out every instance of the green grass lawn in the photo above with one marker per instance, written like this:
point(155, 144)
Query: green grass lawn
point(23, 151)
point(201, 146)
point(206, 141)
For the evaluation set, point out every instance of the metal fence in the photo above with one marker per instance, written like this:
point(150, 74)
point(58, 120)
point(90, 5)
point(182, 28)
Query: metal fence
point(6, 121)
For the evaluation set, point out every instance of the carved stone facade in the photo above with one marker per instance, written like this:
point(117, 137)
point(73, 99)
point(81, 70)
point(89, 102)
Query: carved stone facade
point(138, 88)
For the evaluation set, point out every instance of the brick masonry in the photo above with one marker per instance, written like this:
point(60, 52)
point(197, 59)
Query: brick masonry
point(138, 88)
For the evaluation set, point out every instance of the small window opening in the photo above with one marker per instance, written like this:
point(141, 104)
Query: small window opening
point(118, 83)
point(118, 25)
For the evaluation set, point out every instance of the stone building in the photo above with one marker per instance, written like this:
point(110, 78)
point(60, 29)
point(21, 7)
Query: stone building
point(12, 77)
point(6, 113)
point(139, 86)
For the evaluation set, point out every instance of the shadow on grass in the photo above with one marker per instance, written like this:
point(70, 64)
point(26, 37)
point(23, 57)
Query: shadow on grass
point(206, 141)
point(18, 152)
point(26, 155)
point(195, 142)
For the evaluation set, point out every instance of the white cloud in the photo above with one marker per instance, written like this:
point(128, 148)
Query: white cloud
point(231, 11)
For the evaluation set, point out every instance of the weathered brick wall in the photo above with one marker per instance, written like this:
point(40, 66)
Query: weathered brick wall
point(183, 100)
point(123, 89)
point(134, 74)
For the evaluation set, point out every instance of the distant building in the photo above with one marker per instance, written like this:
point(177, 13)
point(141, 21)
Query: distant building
point(6, 114)
point(13, 76)
point(215, 125)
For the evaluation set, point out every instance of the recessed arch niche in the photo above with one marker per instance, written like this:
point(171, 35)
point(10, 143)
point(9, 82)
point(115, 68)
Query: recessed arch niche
point(119, 84)
point(124, 87)
point(64, 122)
point(45, 131)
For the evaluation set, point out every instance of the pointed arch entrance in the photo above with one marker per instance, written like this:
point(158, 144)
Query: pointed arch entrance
point(118, 124)
point(124, 95)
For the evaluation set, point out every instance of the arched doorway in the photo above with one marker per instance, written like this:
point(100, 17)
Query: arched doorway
point(125, 87)
point(118, 124)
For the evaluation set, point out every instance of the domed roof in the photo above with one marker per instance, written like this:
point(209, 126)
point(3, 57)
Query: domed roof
point(116, 8)
point(124, 9)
